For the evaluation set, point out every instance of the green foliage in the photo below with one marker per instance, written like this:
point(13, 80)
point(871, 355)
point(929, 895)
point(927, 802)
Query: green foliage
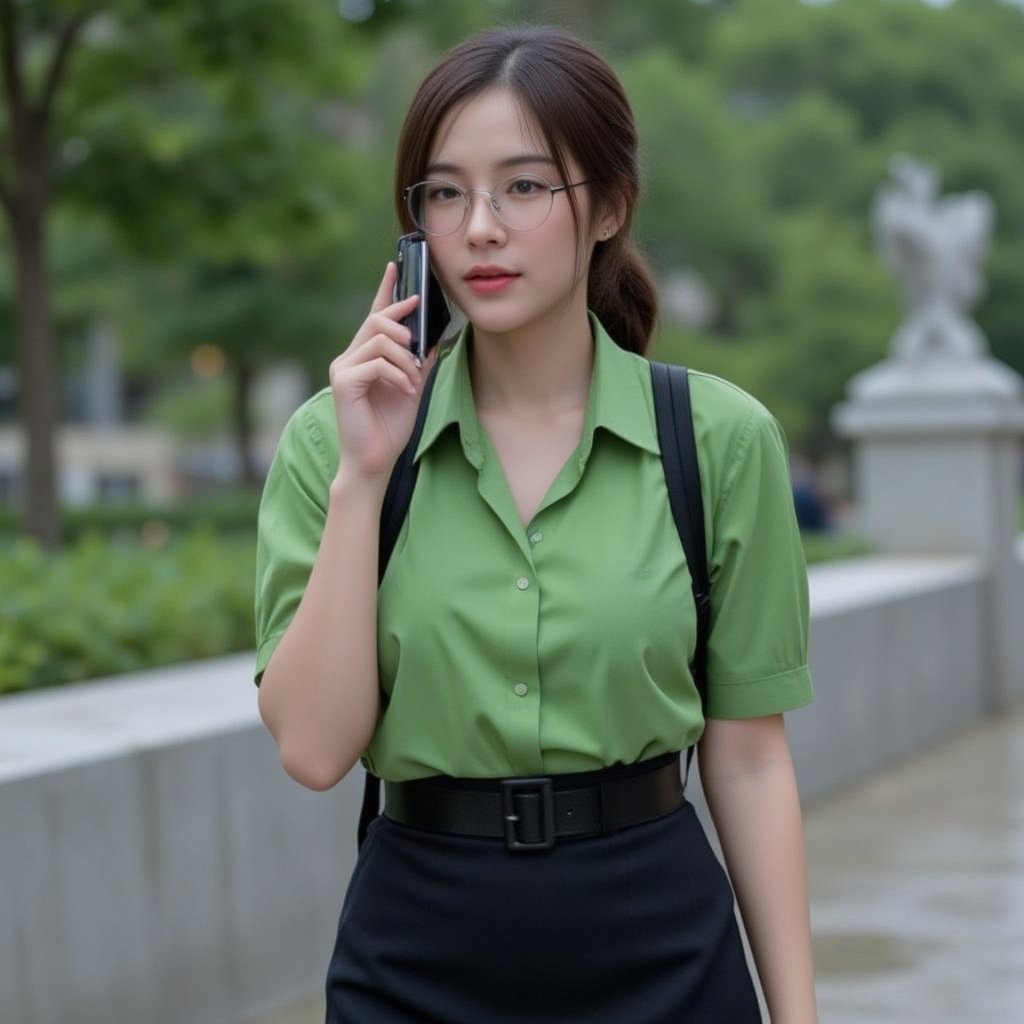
point(805, 152)
point(229, 514)
point(703, 208)
point(828, 92)
point(194, 409)
point(763, 157)
point(215, 140)
point(100, 608)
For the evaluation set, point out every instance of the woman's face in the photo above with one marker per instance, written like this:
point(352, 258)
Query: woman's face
point(481, 143)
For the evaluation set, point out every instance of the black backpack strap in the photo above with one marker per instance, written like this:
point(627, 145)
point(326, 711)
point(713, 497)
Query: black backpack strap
point(682, 476)
point(397, 499)
point(371, 806)
point(398, 496)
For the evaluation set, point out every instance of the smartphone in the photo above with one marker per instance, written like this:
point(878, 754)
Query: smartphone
point(430, 318)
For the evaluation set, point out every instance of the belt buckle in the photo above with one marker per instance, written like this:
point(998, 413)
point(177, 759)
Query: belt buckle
point(509, 789)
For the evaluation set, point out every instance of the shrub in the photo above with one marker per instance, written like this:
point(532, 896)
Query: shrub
point(101, 607)
point(228, 513)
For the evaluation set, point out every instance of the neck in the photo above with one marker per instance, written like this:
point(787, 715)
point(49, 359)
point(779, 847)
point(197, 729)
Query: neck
point(542, 369)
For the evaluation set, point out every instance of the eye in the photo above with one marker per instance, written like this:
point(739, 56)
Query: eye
point(524, 188)
point(441, 192)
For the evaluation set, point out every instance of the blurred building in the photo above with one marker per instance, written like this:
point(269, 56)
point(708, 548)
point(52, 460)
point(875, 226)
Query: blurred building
point(97, 464)
point(103, 452)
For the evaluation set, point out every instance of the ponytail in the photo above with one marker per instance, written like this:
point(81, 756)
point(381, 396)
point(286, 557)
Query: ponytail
point(622, 293)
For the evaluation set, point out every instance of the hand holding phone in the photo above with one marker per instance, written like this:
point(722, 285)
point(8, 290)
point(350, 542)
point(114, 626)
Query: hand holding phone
point(430, 318)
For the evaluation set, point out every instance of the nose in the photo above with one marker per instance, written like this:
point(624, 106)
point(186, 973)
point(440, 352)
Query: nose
point(483, 224)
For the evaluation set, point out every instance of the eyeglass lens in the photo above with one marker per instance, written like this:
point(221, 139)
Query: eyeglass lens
point(440, 207)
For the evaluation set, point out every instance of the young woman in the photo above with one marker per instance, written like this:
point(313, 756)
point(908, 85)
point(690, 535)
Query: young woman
point(521, 679)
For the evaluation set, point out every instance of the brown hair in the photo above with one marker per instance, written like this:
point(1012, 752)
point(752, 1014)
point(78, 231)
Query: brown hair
point(582, 110)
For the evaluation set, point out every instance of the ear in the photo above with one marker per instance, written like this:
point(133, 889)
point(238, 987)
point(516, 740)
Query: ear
point(610, 220)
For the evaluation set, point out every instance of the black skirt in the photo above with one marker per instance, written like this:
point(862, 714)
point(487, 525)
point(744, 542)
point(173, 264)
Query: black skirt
point(636, 927)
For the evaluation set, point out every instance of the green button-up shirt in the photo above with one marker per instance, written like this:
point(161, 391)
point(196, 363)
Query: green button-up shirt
point(561, 646)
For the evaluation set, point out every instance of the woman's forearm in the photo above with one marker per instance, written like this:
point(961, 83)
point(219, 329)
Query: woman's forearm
point(319, 694)
point(753, 799)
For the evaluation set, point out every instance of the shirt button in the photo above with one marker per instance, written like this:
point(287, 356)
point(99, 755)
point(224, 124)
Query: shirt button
point(521, 689)
point(522, 583)
point(536, 538)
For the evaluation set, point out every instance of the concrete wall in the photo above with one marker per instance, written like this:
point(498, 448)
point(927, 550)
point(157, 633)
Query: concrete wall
point(157, 866)
point(898, 658)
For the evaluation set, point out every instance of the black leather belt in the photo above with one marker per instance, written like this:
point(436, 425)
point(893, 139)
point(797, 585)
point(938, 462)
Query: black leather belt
point(530, 814)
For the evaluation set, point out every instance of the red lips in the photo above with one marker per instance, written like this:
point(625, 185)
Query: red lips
point(490, 270)
point(490, 279)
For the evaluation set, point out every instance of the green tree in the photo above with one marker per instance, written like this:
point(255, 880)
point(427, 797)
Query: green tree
point(703, 207)
point(188, 127)
point(945, 84)
point(765, 148)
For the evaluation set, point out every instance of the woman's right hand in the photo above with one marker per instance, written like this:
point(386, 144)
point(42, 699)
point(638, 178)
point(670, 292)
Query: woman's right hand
point(377, 386)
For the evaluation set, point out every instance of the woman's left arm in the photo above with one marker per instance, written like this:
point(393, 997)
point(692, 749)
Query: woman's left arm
point(747, 774)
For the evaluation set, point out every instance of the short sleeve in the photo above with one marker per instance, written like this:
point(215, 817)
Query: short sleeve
point(757, 645)
point(292, 513)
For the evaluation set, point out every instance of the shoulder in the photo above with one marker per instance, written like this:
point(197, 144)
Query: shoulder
point(722, 411)
point(315, 415)
point(311, 432)
point(721, 404)
point(734, 430)
point(306, 459)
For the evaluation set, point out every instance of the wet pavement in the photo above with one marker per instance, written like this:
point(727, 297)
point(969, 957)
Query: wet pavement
point(917, 886)
point(917, 889)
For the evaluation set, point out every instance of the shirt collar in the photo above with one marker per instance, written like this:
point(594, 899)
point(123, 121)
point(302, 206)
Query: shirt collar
point(617, 401)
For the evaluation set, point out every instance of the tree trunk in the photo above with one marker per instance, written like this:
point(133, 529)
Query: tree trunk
point(25, 195)
point(242, 376)
point(37, 359)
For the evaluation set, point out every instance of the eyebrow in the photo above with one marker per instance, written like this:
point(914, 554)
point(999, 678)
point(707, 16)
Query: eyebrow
point(512, 161)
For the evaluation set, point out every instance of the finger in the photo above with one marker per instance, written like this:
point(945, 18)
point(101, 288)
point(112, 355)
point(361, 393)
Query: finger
point(381, 370)
point(383, 301)
point(386, 289)
point(387, 321)
point(376, 347)
point(395, 348)
point(400, 309)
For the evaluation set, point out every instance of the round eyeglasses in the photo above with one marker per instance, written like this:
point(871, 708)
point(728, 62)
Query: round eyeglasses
point(521, 203)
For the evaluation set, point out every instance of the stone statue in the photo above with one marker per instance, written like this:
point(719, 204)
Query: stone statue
point(937, 246)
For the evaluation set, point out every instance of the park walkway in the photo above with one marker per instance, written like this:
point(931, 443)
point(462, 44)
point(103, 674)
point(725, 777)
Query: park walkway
point(917, 889)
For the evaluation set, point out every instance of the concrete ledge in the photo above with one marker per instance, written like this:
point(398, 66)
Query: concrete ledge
point(876, 580)
point(158, 866)
point(46, 730)
point(898, 658)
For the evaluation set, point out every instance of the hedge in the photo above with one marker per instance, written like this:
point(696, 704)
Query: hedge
point(231, 512)
point(102, 607)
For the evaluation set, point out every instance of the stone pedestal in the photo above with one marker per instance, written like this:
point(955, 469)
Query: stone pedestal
point(937, 466)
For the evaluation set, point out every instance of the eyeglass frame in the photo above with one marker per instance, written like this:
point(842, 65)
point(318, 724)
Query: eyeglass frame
point(467, 192)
